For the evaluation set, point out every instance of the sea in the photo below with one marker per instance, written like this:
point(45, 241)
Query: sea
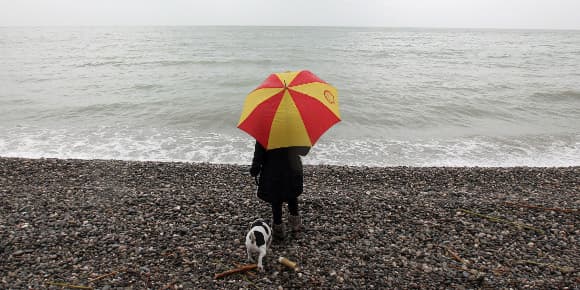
point(408, 96)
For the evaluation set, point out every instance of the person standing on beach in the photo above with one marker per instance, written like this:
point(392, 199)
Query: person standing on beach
point(281, 181)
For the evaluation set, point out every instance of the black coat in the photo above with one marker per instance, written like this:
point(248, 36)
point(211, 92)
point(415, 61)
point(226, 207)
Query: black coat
point(280, 170)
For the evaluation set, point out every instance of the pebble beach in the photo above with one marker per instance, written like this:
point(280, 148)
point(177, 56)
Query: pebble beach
point(107, 224)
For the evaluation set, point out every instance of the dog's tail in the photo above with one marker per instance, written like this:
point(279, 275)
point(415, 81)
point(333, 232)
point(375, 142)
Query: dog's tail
point(252, 237)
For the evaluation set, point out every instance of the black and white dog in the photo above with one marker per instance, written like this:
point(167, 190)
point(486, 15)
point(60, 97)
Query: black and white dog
point(258, 241)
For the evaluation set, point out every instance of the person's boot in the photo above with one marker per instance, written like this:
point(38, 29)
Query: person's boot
point(295, 223)
point(279, 232)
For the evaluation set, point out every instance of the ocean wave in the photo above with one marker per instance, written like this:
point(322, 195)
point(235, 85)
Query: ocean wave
point(99, 63)
point(144, 87)
point(37, 79)
point(572, 96)
point(125, 143)
point(18, 101)
point(168, 63)
point(92, 113)
point(499, 56)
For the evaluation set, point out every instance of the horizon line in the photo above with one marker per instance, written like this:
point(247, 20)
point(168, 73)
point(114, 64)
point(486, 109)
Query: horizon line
point(287, 26)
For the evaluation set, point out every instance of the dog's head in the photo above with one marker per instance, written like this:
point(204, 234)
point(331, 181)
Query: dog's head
point(260, 222)
point(260, 232)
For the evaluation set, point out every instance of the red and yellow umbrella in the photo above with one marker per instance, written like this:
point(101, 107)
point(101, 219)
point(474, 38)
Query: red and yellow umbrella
point(290, 109)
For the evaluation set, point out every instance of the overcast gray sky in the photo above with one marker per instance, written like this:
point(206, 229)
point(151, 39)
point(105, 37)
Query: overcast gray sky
point(540, 14)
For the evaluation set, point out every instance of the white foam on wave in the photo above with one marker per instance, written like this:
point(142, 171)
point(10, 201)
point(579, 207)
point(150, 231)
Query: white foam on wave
point(125, 144)
point(187, 146)
point(469, 152)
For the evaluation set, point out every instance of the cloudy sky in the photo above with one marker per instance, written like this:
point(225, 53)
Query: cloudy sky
point(535, 14)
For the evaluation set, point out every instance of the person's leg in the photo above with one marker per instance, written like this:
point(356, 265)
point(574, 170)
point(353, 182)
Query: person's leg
point(294, 218)
point(293, 206)
point(278, 229)
point(277, 213)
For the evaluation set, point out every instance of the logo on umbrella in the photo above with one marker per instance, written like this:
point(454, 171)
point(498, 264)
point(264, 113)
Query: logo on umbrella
point(329, 96)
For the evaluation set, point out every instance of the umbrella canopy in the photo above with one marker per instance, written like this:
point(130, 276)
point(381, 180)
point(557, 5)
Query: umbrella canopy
point(290, 109)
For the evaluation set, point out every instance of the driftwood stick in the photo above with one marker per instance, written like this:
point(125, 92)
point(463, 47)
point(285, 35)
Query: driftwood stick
point(68, 285)
point(563, 269)
point(245, 277)
point(237, 265)
point(566, 210)
point(103, 276)
point(240, 269)
point(169, 286)
point(290, 264)
point(504, 221)
point(464, 268)
point(500, 270)
point(455, 256)
point(475, 272)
